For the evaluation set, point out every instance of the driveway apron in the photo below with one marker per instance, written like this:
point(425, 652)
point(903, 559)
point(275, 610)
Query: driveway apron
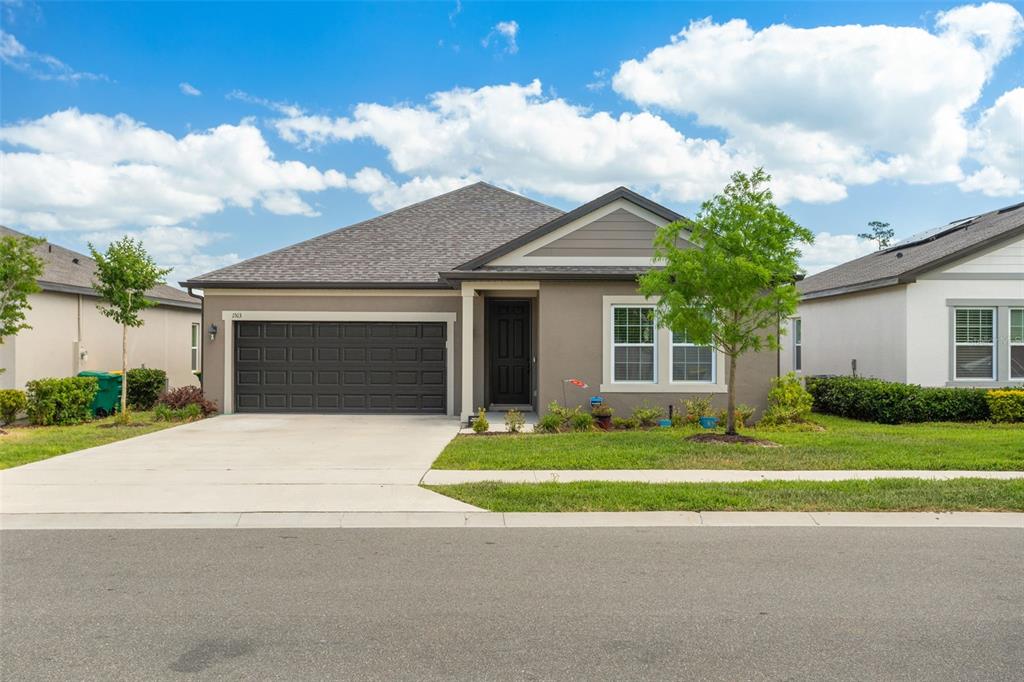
point(243, 463)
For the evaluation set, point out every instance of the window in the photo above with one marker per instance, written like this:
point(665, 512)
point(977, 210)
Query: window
point(798, 344)
point(691, 362)
point(1017, 343)
point(633, 343)
point(195, 347)
point(974, 342)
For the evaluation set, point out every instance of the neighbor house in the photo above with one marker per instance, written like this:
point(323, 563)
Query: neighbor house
point(476, 298)
point(69, 334)
point(943, 308)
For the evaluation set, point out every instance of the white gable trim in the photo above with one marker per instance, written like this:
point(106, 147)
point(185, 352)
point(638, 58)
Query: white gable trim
point(521, 255)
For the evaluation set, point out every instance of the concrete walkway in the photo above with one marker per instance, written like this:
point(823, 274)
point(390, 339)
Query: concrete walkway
point(245, 463)
point(453, 476)
point(482, 519)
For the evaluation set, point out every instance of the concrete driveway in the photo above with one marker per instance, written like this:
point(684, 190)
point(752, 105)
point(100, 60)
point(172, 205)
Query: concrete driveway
point(245, 463)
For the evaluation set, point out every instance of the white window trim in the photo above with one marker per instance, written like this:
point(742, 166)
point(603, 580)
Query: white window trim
point(993, 344)
point(663, 350)
point(196, 346)
point(653, 344)
point(798, 367)
point(1012, 344)
point(671, 369)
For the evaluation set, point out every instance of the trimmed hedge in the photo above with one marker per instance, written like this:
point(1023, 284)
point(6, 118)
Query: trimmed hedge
point(12, 401)
point(1006, 406)
point(61, 401)
point(145, 386)
point(889, 402)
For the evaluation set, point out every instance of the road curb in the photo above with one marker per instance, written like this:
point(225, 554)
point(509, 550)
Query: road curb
point(354, 520)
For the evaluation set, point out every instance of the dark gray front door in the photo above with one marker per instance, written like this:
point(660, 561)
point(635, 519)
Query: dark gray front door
point(509, 356)
point(335, 367)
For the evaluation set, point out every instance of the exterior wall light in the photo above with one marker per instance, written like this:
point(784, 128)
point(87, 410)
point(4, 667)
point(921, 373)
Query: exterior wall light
point(213, 332)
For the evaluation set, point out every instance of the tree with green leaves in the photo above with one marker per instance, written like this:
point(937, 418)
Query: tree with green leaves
point(20, 267)
point(880, 233)
point(124, 273)
point(731, 291)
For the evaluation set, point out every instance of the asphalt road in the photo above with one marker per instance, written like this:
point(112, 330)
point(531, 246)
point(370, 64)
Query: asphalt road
point(680, 603)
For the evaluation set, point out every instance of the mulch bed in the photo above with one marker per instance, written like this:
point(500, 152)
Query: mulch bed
point(732, 440)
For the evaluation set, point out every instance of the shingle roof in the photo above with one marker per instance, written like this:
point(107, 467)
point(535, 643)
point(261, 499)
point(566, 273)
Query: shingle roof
point(407, 247)
point(903, 262)
point(70, 271)
point(579, 272)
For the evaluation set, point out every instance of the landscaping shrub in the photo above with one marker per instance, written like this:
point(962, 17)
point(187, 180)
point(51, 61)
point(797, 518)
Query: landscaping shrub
point(12, 401)
point(190, 412)
point(743, 413)
point(180, 397)
point(625, 423)
point(61, 401)
point(549, 423)
point(514, 421)
point(890, 402)
point(145, 386)
point(696, 408)
point(480, 424)
point(581, 421)
point(646, 415)
point(788, 402)
point(1006, 406)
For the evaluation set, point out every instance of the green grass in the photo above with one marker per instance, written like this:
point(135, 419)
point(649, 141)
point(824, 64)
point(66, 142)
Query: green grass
point(899, 494)
point(844, 444)
point(24, 444)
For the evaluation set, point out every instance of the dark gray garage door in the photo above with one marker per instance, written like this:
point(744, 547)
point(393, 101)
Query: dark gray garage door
point(336, 367)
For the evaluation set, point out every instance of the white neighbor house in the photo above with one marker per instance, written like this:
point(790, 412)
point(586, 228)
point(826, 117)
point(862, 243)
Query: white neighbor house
point(944, 308)
point(69, 334)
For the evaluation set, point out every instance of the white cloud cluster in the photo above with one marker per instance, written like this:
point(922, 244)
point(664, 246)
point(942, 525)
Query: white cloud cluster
point(506, 31)
point(998, 145)
point(836, 105)
point(37, 64)
point(829, 250)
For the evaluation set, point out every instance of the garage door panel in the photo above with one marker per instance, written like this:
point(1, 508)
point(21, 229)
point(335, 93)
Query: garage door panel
point(340, 367)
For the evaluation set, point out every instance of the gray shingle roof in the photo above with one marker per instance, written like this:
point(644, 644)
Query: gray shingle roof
point(70, 271)
point(407, 247)
point(580, 272)
point(903, 262)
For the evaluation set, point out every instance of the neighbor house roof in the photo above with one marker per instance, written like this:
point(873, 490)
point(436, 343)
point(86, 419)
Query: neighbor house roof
point(408, 247)
point(902, 263)
point(71, 272)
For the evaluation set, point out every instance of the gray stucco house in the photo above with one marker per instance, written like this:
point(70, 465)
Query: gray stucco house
point(478, 297)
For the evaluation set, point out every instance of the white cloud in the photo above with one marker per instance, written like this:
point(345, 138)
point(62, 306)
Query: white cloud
point(516, 137)
point(837, 105)
point(503, 30)
point(386, 195)
point(279, 107)
point(175, 247)
point(829, 250)
point(73, 170)
point(189, 89)
point(997, 143)
point(39, 65)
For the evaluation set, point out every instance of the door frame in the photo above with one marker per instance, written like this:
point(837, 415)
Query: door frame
point(488, 384)
point(229, 317)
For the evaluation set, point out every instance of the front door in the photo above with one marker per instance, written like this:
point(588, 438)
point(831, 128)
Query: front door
point(509, 351)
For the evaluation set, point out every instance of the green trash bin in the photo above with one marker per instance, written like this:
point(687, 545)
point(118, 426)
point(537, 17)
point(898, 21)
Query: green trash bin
point(107, 400)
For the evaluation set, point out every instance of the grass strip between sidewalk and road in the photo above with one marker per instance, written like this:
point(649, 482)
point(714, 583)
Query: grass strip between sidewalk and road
point(25, 444)
point(898, 494)
point(843, 444)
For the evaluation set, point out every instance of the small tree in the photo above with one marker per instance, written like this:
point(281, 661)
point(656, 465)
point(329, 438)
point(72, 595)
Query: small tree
point(880, 233)
point(20, 267)
point(731, 292)
point(125, 273)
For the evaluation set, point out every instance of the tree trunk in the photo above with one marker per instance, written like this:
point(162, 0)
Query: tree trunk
point(730, 418)
point(124, 372)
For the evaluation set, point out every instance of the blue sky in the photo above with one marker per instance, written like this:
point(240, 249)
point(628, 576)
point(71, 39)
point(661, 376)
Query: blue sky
point(305, 117)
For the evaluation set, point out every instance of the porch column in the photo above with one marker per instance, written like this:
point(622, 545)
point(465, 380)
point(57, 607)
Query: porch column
point(468, 294)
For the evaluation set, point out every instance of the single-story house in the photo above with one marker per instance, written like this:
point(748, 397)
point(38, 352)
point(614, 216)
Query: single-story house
point(943, 308)
point(476, 298)
point(69, 334)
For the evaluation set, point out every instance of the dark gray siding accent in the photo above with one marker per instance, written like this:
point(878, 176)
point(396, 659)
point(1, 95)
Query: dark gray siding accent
point(620, 233)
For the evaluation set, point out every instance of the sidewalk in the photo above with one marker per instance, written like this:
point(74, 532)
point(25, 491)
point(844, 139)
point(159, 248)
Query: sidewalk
point(453, 476)
point(353, 520)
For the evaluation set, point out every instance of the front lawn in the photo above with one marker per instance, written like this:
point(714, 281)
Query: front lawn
point(899, 494)
point(844, 444)
point(24, 444)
